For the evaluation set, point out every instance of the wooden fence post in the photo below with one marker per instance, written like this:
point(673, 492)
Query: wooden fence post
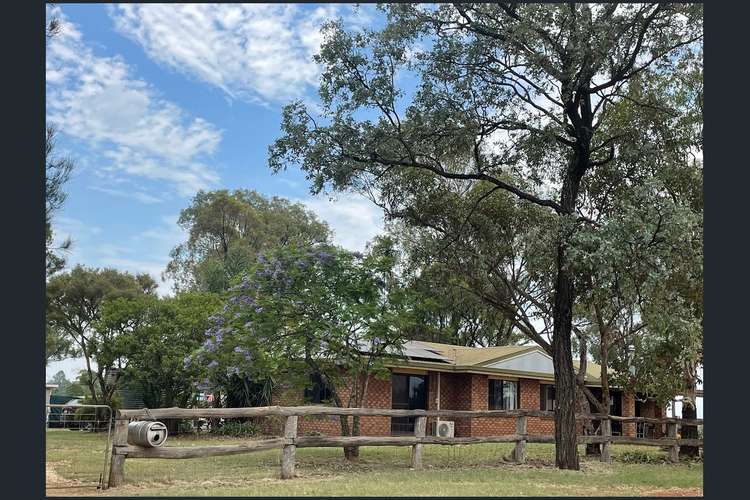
point(606, 452)
point(674, 450)
point(420, 429)
point(117, 461)
point(519, 453)
point(290, 449)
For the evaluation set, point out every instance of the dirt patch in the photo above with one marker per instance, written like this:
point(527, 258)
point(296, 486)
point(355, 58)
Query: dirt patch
point(53, 479)
point(676, 492)
point(57, 485)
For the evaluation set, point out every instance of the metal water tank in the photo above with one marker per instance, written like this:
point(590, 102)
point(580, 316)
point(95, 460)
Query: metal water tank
point(147, 434)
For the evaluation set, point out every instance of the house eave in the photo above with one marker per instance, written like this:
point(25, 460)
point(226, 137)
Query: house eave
point(479, 370)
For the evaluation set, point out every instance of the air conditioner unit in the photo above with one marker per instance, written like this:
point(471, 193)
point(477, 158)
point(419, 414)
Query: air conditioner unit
point(444, 428)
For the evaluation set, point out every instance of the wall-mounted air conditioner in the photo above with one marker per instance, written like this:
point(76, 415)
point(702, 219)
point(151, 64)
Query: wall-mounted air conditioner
point(444, 428)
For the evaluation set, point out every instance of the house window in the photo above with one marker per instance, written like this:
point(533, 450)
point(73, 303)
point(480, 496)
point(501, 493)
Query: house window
point(503, 394)
point(408, 392)
point(546, 397)
point(317, 391)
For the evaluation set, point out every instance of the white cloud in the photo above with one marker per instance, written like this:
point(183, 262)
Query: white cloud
point(144, 252)
point(255, 52)
point(123, 119)
point(139, 196)
point(354, 219)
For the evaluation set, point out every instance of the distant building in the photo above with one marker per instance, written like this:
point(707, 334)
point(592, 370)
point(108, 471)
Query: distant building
point(48, 394)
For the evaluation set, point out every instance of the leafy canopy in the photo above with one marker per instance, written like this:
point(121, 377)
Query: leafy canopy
point(227, 230)
point(306, 310)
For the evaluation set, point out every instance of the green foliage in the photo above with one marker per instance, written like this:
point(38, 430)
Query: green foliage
point(57, 345)
point(307, 310)
point(226, 231)
point(172, 328)
point(65, 387)
point(442, 307)
point(520, 99)
point(76, 309)
point(235, 428)
point(503, 97)
point(641, 457)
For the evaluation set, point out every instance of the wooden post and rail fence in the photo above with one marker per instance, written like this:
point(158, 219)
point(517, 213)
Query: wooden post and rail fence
point(290, 441)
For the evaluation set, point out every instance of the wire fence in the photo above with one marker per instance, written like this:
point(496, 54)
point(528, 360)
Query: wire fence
point(78, 441)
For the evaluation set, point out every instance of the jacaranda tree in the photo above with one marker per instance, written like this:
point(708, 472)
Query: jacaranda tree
point(309, 312)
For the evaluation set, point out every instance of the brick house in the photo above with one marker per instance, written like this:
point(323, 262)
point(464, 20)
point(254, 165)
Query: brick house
point(435, 376)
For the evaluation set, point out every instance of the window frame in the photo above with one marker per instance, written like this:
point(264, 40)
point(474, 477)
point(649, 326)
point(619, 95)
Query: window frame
point(544, 390)
point(495, 405)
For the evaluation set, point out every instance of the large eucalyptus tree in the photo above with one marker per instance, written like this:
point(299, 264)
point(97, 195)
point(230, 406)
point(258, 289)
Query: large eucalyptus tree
point(513, 97)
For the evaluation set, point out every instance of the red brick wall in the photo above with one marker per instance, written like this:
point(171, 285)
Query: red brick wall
point(530, 401)
point(628, 410)
point(378, 396)
point(454, 395)
point(458, 391)
point(650, 409)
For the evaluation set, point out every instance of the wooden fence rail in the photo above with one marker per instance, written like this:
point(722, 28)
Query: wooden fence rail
point(300, 411)
point(290, 441)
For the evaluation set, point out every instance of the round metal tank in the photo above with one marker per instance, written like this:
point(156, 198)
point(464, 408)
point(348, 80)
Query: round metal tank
point(147, 434)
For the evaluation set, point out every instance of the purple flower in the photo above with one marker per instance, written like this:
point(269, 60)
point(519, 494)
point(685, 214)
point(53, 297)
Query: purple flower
point(238, 349)
point(213, 364)
point(204, 385)
point(209, 345)
point(259, 309)
point(187, 361)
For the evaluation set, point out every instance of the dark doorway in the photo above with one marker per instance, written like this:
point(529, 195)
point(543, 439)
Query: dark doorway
point(615, 408)
point(409, 392)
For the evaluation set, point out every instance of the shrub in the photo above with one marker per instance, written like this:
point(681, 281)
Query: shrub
point(235, 428)
point(640, 457)
point(185, 427)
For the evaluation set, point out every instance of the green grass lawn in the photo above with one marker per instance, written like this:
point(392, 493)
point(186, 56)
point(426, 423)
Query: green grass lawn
point(75, 458)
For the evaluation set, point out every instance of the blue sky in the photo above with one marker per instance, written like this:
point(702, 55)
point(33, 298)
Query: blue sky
point(154, 102)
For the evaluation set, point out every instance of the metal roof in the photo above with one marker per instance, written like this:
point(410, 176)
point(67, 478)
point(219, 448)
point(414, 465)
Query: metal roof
point(465, 358)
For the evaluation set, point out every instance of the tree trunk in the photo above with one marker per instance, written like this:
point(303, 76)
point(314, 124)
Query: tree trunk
point(354, 450)
point(566, 449)
point(689, 431)
point(592, 449)
point(690, 411)
point(349, 451)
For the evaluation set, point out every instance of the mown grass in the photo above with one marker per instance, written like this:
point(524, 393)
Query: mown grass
point(474, 470)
